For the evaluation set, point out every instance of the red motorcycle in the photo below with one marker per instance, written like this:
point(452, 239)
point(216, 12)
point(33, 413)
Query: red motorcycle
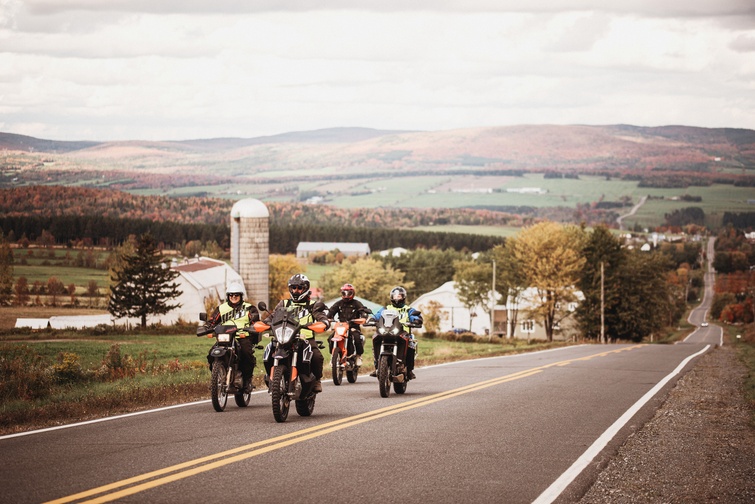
point(343, 359)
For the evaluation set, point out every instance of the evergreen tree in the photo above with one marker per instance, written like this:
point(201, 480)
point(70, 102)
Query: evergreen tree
point(143, 283)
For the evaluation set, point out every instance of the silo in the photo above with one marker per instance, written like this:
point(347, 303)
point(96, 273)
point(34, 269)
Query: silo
point(250, 247)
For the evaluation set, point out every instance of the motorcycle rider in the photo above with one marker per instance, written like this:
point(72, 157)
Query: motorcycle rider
point(407, 314)
point(242, 314)
point(347, 309)
point(309, 312)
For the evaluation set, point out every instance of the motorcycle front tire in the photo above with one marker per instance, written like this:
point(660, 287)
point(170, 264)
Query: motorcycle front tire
point(279, 392)
point(384, 376)
point(336, 368)
point(218, 392)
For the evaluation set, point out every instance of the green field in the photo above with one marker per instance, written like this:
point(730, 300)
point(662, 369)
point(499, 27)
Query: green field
point(443, 191)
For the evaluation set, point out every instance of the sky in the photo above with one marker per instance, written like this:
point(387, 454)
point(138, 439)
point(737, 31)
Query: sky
point(186, 69)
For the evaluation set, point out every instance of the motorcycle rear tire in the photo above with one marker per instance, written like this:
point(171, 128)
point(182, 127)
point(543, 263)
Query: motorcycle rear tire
point(279, 392)
point(384, 376)
point(399, 388)
point(242, 399)
point(218, 391)
point(336, 368)
point(351, 375)
point(305, 407)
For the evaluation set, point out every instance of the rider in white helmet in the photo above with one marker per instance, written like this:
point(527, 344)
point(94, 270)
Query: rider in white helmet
point(242, 314)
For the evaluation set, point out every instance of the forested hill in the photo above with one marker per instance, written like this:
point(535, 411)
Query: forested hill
point(56, 201)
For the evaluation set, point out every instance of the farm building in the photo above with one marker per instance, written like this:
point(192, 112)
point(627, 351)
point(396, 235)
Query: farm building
point(454, 315)
point(200, 278)
point(305, 249)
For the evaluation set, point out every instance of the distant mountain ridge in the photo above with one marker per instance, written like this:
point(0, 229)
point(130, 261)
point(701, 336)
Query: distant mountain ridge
point(570, 148)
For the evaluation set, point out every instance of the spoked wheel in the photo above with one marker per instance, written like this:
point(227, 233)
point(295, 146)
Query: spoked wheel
point(337, 369)
point(305, 407)
point(384, 376)
point(218, 392)
point(352, 374)
point(279, 390)
point(242, 398)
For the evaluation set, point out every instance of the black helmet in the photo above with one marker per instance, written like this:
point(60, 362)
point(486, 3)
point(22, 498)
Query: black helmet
point(398, 297)
point(347, 291)
point(234, 288)
point(298, 287)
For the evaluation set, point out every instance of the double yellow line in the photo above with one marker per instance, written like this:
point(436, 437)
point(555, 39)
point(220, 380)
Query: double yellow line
point(153, 479)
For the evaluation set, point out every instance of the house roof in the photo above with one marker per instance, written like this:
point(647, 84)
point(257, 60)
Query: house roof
point(328, 246)
point(207, 273)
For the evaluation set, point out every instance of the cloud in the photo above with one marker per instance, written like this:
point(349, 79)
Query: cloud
point(743, 43)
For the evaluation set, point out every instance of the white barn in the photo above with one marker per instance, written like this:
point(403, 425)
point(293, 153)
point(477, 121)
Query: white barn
point(305, 249)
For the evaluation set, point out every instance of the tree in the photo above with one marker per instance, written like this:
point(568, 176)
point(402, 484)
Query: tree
point(143, 284)
point(55, 288)
point(282, 267)
point(474, 281)
point(510, 282)
point(372, 279)
point(21, 291)
point(551, 260)
point(601, 248)
point(645, 304)
point(6, 271)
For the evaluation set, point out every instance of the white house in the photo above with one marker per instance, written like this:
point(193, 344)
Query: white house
point(305, 249)
point(198, 278)
point(530, 328)
point(454, 315)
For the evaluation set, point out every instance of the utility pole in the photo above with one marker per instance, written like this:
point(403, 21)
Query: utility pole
point(492, 309)
point(602, 307)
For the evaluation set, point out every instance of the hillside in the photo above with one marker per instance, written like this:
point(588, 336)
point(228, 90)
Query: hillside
point(530, 147)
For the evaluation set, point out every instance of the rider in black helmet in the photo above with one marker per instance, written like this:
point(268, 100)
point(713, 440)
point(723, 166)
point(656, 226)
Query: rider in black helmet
point(299, 290)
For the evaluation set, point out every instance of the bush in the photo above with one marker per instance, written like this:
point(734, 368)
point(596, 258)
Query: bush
point(24, 374)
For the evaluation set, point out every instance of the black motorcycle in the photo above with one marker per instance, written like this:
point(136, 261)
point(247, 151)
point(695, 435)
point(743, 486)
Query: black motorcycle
point(224, 360)
point(288, 362)
point(394, 343)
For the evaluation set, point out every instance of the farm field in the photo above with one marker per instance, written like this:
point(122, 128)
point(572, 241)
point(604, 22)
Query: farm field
point(488, 192)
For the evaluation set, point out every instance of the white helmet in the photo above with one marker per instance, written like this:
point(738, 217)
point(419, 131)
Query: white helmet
point(234, 287)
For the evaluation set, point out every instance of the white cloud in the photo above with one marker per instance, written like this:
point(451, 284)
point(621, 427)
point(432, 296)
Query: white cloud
point(85, 69)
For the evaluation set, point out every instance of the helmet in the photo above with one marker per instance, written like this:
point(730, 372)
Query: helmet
point(234, 287)
point(347, 291)
point(298, 287)
point(398, 297)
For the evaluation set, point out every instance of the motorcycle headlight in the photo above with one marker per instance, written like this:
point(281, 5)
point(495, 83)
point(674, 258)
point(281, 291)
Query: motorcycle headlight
point(284, 334)
point(395, 331)
point(224, 338)
point(381, 330)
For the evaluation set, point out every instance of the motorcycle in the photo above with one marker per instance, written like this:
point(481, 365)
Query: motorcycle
point(288, 358)
point(341, 360)
point(224, 361)
point(394, 343)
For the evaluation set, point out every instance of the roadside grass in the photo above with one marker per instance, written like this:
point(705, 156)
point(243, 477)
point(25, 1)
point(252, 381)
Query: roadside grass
point(55, 377)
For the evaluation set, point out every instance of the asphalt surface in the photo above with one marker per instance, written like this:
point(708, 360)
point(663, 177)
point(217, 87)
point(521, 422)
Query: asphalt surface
point(503, 429)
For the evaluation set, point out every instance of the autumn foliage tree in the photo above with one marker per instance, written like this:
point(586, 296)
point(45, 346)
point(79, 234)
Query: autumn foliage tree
point(551, 259)
point(143, 283)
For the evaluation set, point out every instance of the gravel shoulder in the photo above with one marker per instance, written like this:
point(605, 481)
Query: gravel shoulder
point(699, 446)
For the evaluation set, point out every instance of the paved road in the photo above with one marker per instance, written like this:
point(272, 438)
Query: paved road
point(506, 429)
point(710, 333)
point(534, 427)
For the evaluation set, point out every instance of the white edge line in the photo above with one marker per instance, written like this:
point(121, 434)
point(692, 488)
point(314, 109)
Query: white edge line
point(116, 417)
point(557, 487)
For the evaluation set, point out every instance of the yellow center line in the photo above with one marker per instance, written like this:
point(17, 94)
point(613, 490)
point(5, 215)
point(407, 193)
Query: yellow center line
point(204, 464)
